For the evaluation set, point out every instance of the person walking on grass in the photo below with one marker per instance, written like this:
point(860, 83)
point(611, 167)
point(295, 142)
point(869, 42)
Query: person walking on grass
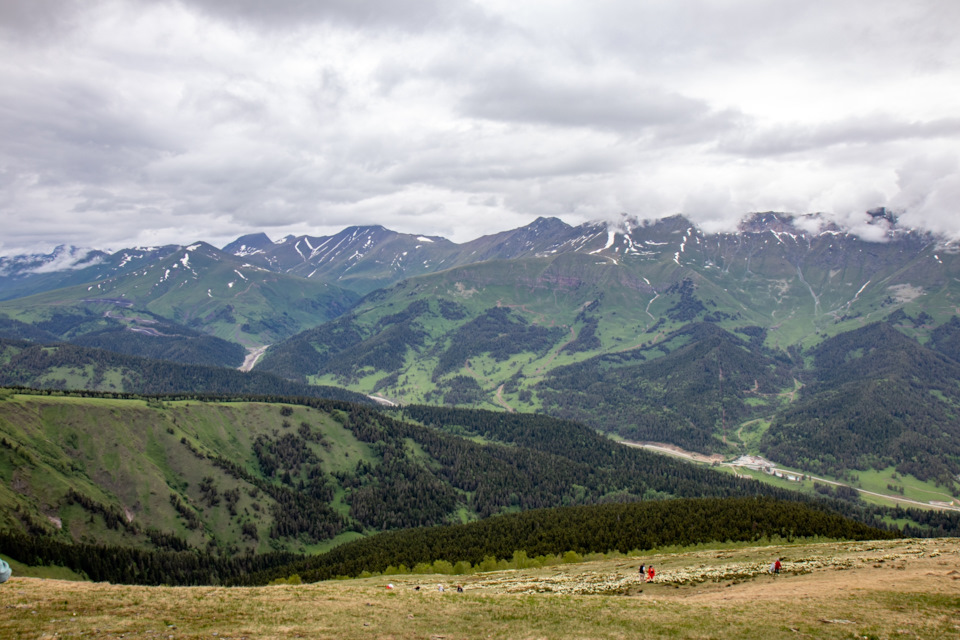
point(776, 567)
point(650, 573)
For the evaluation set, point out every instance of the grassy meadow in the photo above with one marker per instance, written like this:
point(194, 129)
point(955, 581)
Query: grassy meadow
point(892, 589)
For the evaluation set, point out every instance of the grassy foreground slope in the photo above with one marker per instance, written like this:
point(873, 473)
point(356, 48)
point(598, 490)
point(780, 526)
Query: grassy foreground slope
point(830, 590)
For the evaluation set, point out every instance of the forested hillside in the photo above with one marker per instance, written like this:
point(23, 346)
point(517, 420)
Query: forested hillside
point(876, 399)
point(688, 389)
point(146, 335)
point(70, 367)
point(222, 458)
point(206, 473)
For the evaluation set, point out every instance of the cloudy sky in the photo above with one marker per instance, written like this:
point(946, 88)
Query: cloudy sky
point(140, 122)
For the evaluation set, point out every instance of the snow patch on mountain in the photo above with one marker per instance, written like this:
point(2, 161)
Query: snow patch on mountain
point(244, 251)
point(611, 238)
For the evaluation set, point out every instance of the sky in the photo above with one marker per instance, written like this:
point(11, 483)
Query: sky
point(144, 122)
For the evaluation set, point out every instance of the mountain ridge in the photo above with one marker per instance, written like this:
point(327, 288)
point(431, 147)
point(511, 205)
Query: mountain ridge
point(543, 236)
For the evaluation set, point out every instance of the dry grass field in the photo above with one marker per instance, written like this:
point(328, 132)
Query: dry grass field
point(893, 589)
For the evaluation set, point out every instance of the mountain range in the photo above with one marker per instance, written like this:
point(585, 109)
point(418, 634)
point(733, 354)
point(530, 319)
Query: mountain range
point(791, 337)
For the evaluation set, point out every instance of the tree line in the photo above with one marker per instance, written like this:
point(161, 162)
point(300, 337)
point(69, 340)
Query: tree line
point(584, 529)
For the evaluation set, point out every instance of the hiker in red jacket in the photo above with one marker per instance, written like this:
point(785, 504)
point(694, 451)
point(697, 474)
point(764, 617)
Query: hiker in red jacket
point(650, 573)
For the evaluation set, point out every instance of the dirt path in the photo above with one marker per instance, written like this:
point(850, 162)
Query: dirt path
point(652, 317)
point(656, 338)
point(858, 567)
point(671, 450)
point(743, 575)
point(556, 352)
point(469, 369)
point(252, 356)
point(486, 381)
point(501, 401)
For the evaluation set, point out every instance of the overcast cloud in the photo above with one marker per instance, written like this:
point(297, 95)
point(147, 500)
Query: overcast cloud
point(153, 121)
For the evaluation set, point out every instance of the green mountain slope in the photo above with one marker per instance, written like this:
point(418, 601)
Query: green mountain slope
point(252, 475)
point(878, 399)
point(162, 340)
point(787, 288)
point(688, 389)
point(508, 318)
point(22, 276)
point(135, 472)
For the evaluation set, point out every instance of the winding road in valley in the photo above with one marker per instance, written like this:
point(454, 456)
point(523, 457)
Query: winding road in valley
point(716, 458)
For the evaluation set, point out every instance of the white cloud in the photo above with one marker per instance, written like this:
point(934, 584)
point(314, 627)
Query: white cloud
point(130, 122)
point(65, 259)
point(929, 193)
